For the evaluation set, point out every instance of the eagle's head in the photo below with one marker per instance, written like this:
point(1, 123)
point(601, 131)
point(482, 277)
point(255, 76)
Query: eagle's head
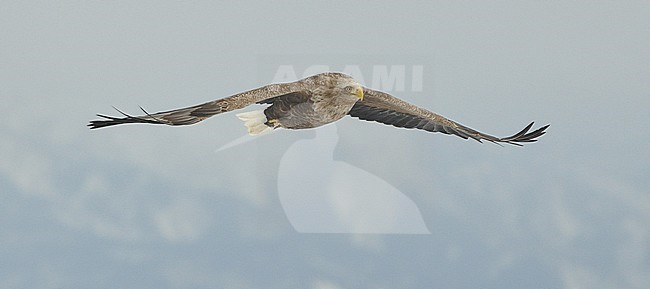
point(350, 88)
point(339, 86)
point(354, 90)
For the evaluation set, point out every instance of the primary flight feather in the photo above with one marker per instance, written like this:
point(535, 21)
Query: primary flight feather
point(315, 101)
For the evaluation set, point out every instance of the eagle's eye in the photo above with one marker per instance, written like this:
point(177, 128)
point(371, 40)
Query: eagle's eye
point(350, 89)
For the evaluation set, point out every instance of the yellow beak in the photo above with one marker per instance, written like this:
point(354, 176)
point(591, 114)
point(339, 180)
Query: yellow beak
point(359, 93)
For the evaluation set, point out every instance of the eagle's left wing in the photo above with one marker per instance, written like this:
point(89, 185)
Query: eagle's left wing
point(384, 108)
point(197, 113)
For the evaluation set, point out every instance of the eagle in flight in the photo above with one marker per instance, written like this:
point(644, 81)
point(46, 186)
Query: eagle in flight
point(315, 101)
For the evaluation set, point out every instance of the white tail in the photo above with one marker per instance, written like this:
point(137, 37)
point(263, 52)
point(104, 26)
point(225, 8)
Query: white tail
point(255, 122)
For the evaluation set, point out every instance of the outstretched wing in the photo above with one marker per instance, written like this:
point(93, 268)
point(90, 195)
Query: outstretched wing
point(197, 113)
point(384, 108)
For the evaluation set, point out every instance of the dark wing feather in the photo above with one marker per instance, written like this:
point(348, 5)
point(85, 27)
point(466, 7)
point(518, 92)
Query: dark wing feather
point(197, 113)
point(384, 108)
point(282, 106)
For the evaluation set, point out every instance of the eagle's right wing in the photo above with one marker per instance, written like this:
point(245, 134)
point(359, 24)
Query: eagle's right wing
point(384, 108)
point(197, 113)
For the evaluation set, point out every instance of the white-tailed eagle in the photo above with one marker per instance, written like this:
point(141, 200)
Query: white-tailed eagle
point(315, 101)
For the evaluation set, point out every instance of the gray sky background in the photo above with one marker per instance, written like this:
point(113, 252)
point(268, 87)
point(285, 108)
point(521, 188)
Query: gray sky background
point(158, 207)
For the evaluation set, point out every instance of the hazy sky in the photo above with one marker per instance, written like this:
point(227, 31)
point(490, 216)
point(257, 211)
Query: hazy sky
point(159, 207)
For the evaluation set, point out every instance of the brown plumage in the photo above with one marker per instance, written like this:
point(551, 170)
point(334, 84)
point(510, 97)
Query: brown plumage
point(315, 101)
